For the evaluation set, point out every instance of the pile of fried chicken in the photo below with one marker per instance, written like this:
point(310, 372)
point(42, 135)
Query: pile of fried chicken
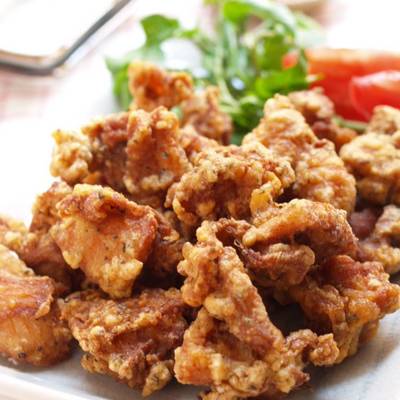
point(162, 249)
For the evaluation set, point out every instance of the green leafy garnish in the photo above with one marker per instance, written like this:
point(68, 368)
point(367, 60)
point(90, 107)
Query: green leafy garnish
point(244, 56)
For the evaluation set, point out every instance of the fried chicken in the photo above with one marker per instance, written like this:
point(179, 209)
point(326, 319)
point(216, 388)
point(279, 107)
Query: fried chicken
point(222, 181)
point(194, 143)
point(155, 159)
point(131, 340)
point(384, 120)
point(318, 225)
point(319, 111)
point(94, 154)
point(35, 246)
point(382, 240)
point(320, 174)
point(135, 153)
point(106, 236)
point(30, 328)
point(347, 298)
point(202, 111)
point(152, 86)
point(374, 159)
point(232, 346)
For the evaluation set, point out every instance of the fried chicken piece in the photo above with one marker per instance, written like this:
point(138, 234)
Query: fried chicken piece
point(383, 241)
point(268, 265)
point(161, 266)
point(347, 298)
point(318, 225)
point(222, 181)
point(320, 174)
point(72, 157)
point(193, 143)
point(30, 327)
point(106, 236)
point(94, 154)
point(35, 246)
point(152, 86)
point(232, 346)
point(131, 340)
point(137, 153)
point(384, 120)
point(108, 137)
point(374, 159)
point(319, 111)
point(155, 159)
point(202, 111)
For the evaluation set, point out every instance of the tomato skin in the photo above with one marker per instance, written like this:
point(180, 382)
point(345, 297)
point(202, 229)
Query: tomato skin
point(339, 66)
point(380, 88)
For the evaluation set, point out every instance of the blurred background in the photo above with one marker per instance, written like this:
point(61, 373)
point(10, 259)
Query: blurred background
point(44, 29)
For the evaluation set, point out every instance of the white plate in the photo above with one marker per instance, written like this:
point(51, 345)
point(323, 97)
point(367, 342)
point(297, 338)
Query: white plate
point(25, 147)
point(25, 151)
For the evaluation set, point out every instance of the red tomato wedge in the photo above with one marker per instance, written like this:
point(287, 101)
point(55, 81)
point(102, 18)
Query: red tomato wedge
point(368, 91)
point(338, 66)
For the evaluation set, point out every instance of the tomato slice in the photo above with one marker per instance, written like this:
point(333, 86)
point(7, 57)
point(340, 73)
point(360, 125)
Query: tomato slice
point(345, 63)
point(337, 68)
point(368, 91)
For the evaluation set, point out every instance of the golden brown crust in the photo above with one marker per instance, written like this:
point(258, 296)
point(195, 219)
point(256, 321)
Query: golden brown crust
point(319, 111)
point(132, 340)
point(319, 225)
point(374, 159)
point(203, 113)
point(222, 182)
point(30, 328)
point(155, 159)
point(106, 236)
point(382, 243)
point(384, 120)
point(35, 246)
point(152, 86)
point(232, 346)
point(319, 171)
point(347, 298)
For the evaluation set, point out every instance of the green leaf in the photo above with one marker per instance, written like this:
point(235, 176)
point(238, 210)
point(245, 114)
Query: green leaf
point(238, 11)
point(159, 28)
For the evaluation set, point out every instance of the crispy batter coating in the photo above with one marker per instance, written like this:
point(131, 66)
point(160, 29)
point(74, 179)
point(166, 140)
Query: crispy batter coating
point(106, 236)
point(318, 225)
point(194, 143)
point(222, 181)
point(347, 298)
point(35, 246)
point(320, 174)
point(94, 154)
point(138, 153)
point(383, 241)
point(152, 86)
point(202, 111)
point(155, 159)
point(385, 120)
point(132, 340)
point(318, 111)
point(30, 328)
point(374, 159)
point(276, 265)
point(161, 265)
point(232, 346)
